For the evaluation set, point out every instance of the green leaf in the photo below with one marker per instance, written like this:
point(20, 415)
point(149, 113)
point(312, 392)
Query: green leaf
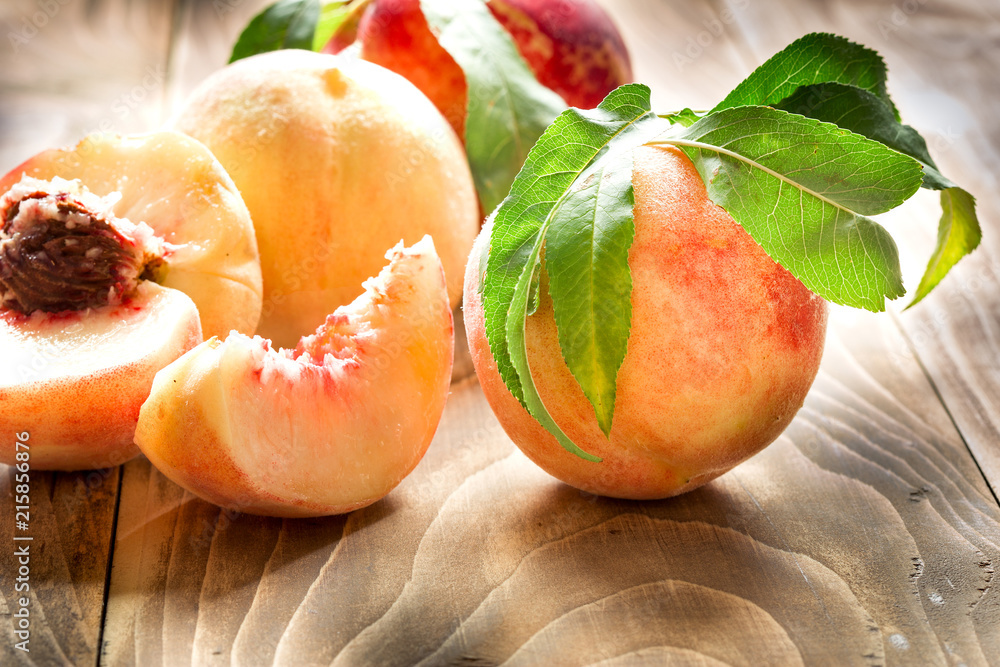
point(331, 17)
point(802, 188)
point(958, 235)
point(587, 258)
point(508, 109)
point(559, 174)
point(287, 24)
point(814, 58)
point(685, 117)
point(861, 112)
point(516, 318)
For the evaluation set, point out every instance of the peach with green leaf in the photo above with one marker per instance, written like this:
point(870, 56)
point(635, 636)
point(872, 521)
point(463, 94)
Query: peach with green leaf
point(571, 46)
point(647, 308)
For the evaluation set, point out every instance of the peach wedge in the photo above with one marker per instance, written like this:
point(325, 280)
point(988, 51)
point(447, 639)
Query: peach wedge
point(325, 428)
point(115, 257)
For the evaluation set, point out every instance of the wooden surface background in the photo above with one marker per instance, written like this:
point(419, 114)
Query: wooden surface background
point(868, 534)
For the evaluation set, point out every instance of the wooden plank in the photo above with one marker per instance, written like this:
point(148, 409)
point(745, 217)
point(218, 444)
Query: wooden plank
point(70, 67)
point(71, 524)
point(865, 535)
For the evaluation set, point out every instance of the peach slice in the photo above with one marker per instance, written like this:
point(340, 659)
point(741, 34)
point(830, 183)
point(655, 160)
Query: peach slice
point(85, 236)
point(326, 428)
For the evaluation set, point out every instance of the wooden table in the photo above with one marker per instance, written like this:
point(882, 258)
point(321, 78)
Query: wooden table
point(869, 533)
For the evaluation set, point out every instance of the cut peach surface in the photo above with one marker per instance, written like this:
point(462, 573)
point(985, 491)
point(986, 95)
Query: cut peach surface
point(76, 381)
point(326, 428)
point(172, 183)
point(114, 256)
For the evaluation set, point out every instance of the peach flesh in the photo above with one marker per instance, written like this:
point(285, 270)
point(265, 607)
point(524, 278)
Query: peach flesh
point(572, 48)
point(76, 376)
point(724, 346)
point(337, 159)
point(175, 185)
point(326, 428)
point(76, 381)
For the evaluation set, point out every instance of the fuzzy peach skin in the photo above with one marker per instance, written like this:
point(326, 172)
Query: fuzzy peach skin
point(337, 160)
point(571, 46)
point(76, 381)
point(724, 346)
point(326, 428)
point(175, 185)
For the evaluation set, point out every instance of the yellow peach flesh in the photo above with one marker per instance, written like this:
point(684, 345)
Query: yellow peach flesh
point(327, 428)
point(76, 381)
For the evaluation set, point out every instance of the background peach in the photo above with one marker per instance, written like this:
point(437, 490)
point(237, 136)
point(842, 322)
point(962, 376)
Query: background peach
point(571, 46)
point(337, 159)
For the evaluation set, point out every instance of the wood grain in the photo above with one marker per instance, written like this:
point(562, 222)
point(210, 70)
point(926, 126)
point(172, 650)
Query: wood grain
point(71, 525)
point(863, 536)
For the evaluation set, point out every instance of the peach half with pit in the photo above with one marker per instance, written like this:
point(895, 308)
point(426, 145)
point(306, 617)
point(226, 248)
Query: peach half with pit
point(115, 257)
point(724, 345)
point(325, 428)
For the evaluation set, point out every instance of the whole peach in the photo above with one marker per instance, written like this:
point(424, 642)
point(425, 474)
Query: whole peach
point(724, 346)
point(571, 46)
point(337, 160)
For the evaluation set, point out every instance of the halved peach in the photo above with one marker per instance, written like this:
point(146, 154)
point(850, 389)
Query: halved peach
point(326, 428)
point(75, 381)
point(85, 236)
point(175, 185)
